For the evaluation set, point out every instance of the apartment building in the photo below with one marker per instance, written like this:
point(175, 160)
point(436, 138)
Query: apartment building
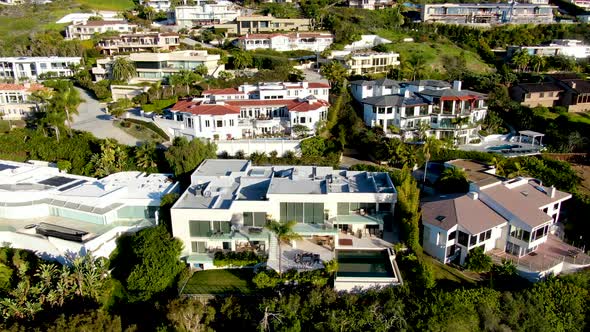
point(488, 13)
point(205, 12)
point(88, 29)
point(442, 109)
point(33, 68)
point(564, 47)
point(151, 67)
point(15, 100)
point(537, 94)
point(236, 119)
point(59, 215)
point(139, 42)
point(511, 220)
point(229, 202)
point(270, 90)
point(158, 5)
point(365, 62)
point(370, 4)
point(310, 41)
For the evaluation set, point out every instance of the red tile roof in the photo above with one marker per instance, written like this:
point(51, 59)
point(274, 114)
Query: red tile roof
point(233, 106)
point(298, 106)
point(288, 35)
point(228, 91)
point(188, 106)
point(316, 85)
point(102, 23)
point(15, 87)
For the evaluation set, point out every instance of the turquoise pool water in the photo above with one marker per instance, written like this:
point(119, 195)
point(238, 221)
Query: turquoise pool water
point(503, 147)
point(364, 263)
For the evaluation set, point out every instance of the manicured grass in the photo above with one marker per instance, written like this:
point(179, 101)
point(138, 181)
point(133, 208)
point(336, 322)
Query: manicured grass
point(444, 272)
point(433, 52)
point(231, 281)
point(579, 117)
point(141, 132)
point(116, 5)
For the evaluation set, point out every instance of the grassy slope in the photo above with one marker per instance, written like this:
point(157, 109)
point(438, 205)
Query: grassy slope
point(117, 5)
point(220, 282)
point(432, 51)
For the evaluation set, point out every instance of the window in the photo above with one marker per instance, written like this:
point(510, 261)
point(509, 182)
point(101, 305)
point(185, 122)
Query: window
point(473, 240)
point(541, 95)
point(231, 123)
point(512, 249)
point(207, 123)
point(452, 236)
point(302, 120)
point(519, 233)
point(223, 227)
point(198, 247)
point(539, 233)
point(219, 124)
point(463, 238)
point(257, 219)
point(309, 213)
point(189, 122)
point(198, 228)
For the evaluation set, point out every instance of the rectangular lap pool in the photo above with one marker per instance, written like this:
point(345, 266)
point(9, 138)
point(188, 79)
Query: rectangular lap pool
point(364, 264)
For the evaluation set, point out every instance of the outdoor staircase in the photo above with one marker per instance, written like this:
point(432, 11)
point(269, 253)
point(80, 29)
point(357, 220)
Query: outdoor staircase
point(273, 253)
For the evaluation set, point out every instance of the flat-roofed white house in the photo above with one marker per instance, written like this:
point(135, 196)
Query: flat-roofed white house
point(88, 29)
point(152, 67)
point(205, 12)
point(510, 219)
point(309, 41)
point(33, 68)
point(564, 47)
point(229, 202)
point(59, 215)
point(140, 42)
point(158, 5)
point(442, 109)
point(15, 100)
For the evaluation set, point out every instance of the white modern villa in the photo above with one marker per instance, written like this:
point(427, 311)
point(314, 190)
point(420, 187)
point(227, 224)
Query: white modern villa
point(206, 12)
point(442, 109)
point(60, 216)
point(340, 214)
point(511, 219)
point(88, 29)
point(309, 41)
point(31, 68)
point(252, 110)
point(15, 100)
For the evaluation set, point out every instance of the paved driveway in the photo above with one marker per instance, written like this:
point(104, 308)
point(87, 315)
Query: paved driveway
point(92, 118)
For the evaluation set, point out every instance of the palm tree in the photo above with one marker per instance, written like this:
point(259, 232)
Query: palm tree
point(122, 69)
point(521, 59)
point(241, 59)
point(284, 233)
point(538, 62)
point(145, 156)
point(453, 180)
point(184, 78)
point(336, 74)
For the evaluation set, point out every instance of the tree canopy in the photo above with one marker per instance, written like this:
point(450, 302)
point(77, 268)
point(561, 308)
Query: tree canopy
point(184, 156)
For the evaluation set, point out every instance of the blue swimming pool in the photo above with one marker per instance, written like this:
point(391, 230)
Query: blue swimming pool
point(503, 147)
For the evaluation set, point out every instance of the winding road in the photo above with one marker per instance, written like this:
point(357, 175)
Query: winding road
point(93, 119)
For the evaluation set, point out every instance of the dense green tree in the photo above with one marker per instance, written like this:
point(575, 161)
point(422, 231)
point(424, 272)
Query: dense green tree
point(336, 74)
point(185, 78)
point(407, 208)
point(241, 59)
point(453, 180)
point(147, 263)
point(189, 314)
point(111, 159)
point(478, 261)
point(122, 69)
point(184, 156)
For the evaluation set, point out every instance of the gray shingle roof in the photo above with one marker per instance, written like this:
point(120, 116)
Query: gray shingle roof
point(395, 100)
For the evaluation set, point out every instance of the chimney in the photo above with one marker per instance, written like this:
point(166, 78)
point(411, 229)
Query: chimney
point(573, 85)
point(406, 93)
point(457, 85)
point(552, 192)
point(473, 195)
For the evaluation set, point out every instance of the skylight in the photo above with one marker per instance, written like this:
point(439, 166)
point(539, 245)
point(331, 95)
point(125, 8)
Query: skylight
point(440, 218)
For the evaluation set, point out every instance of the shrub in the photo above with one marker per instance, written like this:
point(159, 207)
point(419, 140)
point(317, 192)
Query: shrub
point(266, 279)
point(151, 126)
point(232, 258)
point(478, 261)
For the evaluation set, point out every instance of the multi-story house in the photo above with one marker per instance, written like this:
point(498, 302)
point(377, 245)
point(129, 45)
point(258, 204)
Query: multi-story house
point(365, 61)
point(235, 119)
point(271, 90)
point(563, 47)
point(310, 41)
point(60, 216)
point(229, 202)
point(88, 29)
point(205, 12)
point(151, 67)
point(537, 94)
point(140, 42)
point(15, 100)
point(432, 106)
point(488, 13)
point(510, 219)
point(158, 5)
point(268, 23)
point(33, 68)
point(370, 4)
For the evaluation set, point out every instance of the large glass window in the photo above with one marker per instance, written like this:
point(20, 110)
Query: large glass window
point(199, 228)
point(309, 213)
point(539, 233)
point(223, 227)
point(257, 219)
point(463, 238)
point(512, 248)
point(519, 233)
point(199, 247)
point(473, 240)
point(78, 215)
point(136, 212)
point(452, 236)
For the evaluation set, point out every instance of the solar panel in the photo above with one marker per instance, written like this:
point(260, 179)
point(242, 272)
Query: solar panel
point(5, 167)
point(56, 181)
point(70, 186)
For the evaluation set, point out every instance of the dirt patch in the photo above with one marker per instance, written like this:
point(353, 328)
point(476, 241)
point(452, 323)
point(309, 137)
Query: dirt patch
point(583, 171)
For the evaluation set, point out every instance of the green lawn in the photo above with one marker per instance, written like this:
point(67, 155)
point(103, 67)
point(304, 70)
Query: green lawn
point(433, 52)
point(444, 272)
point(140, 132)
point(579, 117)
point(116, 5)
point(232, 281)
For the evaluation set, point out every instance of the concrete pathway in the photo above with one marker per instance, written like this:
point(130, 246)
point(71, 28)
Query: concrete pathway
point(94, 119)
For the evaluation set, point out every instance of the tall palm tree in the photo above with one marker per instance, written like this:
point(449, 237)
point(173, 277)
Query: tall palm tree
point(145, 156)
point(284, 233)
point(538, 62)
point(184, 78)
point(122, 69)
